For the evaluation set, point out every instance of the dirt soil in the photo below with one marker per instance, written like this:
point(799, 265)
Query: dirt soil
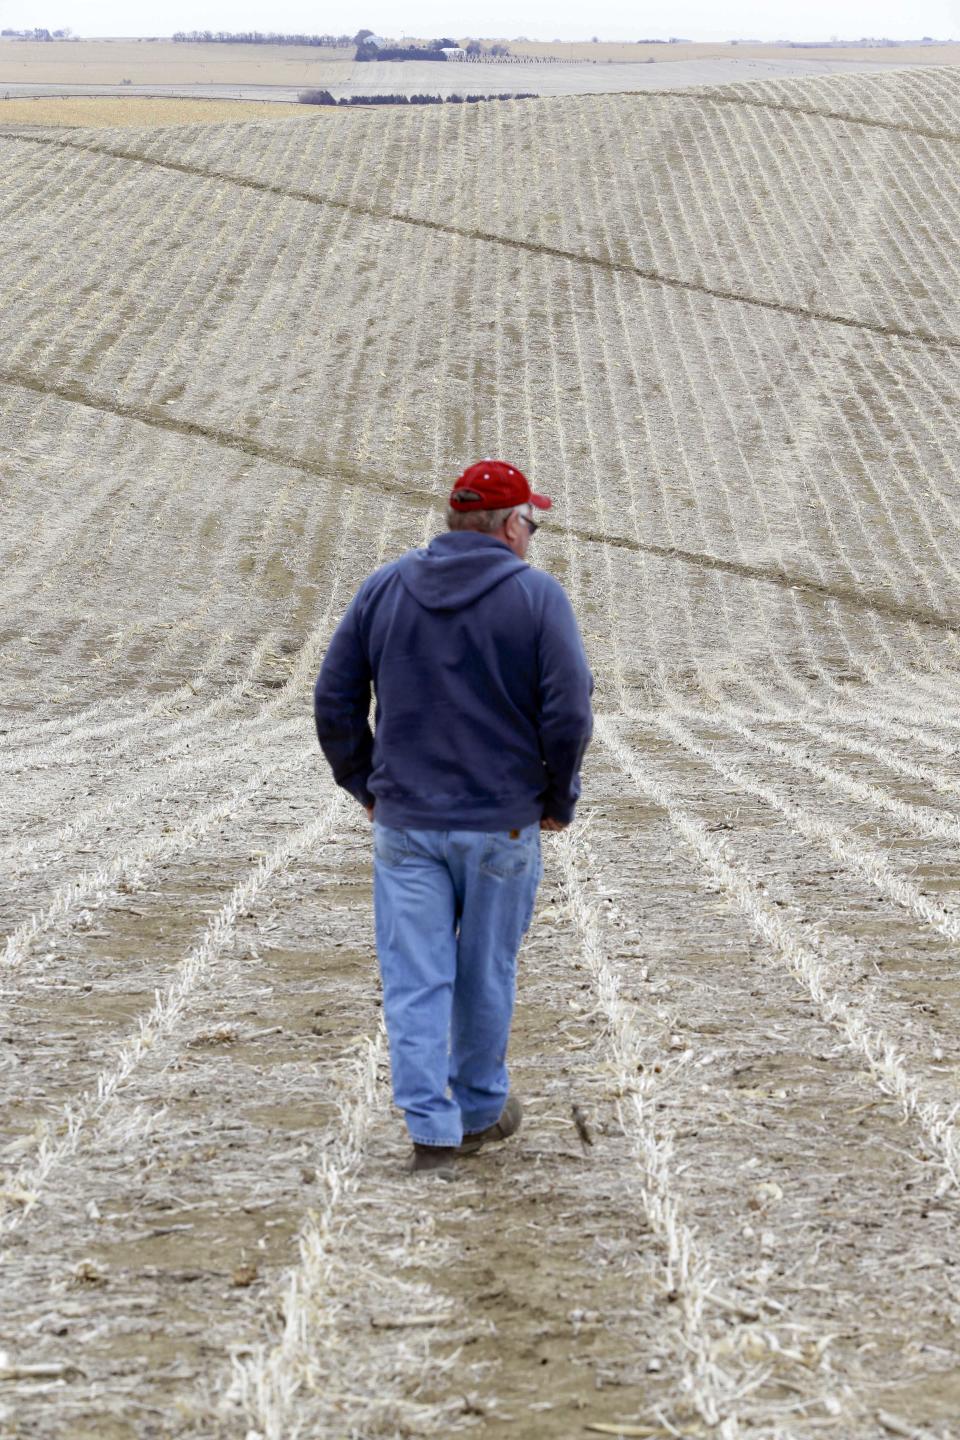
point(606, 52)
point(161, 62)
point(139, 112)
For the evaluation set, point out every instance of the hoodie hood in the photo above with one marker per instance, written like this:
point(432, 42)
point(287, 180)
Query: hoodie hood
point(456, 569)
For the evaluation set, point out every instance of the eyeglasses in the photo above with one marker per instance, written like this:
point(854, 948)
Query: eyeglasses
point(533, 525)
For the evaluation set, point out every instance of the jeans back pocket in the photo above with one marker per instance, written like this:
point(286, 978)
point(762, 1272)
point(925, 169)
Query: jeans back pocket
point(506, 857)
point(389, 846)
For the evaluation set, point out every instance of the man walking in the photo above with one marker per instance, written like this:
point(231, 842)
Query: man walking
point(483, 716)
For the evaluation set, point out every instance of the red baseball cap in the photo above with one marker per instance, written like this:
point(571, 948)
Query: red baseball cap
point(494, 485)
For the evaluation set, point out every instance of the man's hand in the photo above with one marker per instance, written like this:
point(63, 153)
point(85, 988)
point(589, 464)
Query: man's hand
point(369, 810)
point(547, 823)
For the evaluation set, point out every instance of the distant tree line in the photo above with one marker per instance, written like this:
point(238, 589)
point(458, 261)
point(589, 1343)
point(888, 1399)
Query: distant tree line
point(323, 97)
point(258, 37)
point(368, 51)
point(367, 45)
point(865, 42)
point(36, 34)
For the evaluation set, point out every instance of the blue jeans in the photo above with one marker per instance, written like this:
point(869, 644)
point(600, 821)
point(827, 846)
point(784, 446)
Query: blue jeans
point(451, 907)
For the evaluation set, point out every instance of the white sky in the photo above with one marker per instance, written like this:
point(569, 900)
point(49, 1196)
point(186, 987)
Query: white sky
point(540, 19)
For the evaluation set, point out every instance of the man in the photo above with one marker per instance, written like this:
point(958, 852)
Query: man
point(482, 719)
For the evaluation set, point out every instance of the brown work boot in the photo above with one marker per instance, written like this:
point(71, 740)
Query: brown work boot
point(434, 1160)
point(511, 1117)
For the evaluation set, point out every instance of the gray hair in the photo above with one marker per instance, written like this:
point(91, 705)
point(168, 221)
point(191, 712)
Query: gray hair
point(486, 521)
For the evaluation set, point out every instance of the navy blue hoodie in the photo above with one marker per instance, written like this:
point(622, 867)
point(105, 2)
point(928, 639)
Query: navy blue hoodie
point(482, 689)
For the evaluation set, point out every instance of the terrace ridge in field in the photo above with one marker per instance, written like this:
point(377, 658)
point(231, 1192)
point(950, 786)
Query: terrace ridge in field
point(743, 95)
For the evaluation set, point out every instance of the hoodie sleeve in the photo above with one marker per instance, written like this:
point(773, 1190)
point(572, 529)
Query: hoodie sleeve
point(341, 706)
point(566, 719)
